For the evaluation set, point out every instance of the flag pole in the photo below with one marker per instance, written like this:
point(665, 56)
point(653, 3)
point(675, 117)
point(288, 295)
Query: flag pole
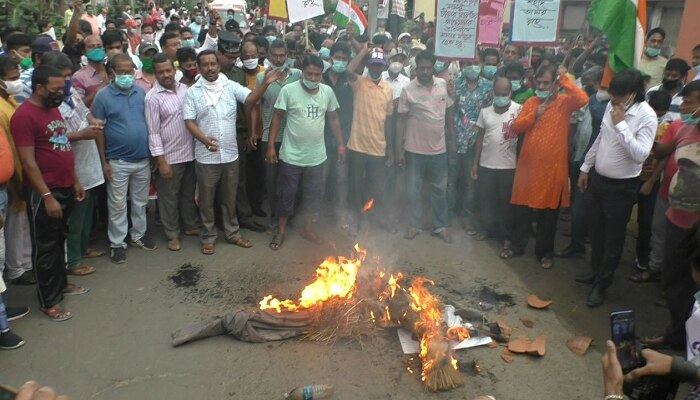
point(306, 29)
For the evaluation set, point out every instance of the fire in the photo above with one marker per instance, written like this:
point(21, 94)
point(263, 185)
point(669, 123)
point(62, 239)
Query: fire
point(368, 206)
point(335, 278)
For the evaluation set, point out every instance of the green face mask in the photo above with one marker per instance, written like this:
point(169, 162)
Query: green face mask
point(26, 63)
point(147, 65)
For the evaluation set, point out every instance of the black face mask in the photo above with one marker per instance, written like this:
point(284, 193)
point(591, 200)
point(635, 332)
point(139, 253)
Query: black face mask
point(669, 84)
point(53, 100)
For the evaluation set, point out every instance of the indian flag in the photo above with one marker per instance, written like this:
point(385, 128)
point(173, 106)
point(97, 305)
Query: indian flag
point(348, 11)
point(624, 23)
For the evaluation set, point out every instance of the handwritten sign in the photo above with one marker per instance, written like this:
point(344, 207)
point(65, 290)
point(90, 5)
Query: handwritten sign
point(535, 21)
point(491, 21)
point(456, 28)
point(300, 10)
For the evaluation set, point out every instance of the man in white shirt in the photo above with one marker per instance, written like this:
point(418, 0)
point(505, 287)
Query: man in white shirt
point(494, 163)
point(625, 140)
point(675, 74)
point(652, 62)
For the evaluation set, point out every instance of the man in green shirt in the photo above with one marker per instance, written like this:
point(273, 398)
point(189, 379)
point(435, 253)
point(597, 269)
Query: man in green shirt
point(306, 105)
point(516, 73)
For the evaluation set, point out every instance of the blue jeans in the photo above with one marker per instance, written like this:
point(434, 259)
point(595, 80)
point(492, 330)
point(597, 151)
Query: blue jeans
point(431, 169)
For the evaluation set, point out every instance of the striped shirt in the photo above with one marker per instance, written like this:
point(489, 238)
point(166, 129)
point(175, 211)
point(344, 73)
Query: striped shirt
point(217, 122)
point(398, 8)
point(88, 167)
point(426, 107)
point(86, 81)
point(167, 134)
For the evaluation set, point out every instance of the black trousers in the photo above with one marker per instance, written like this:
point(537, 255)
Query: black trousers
point(546, 230)
point(494, 188)
point(48, 245)
point(645, 216)
point(578, 210)
point(609, 210)
point(367, 180)
point(678, 283)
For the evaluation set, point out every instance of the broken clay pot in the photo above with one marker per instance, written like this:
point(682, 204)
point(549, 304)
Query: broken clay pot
point(535, 302)
point(579, 344)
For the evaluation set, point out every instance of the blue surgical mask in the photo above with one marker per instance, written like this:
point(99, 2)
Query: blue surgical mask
point(516, 85)
point(187, 43)
point(652, 52)
point(96, 54)
point(490, 71)
point(290, 62)
point(542, 94)
point(688, 118)
point(311, 85)
point(439, 66)
point(124, 81)
point(339, 66)
point(324, 53)
point(270, 39)
point(198, 20)
point(501, 101)
point(472, 72)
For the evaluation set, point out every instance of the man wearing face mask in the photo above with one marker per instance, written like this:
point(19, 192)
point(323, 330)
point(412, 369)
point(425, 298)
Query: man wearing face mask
point(674, 76)
point(683, 213)
point(88, 80)
point(90, 17)
point(614, 163)
point(520, 92)
point(652, 62)
point(472, 93)
point(197, 22)
point(46, 28)
point(18, 246)
point(369, 139)
point(187, 65)
point(490, 58)
point(125, 158)
point(41, 137)
point(145, 77)
point(19, 50)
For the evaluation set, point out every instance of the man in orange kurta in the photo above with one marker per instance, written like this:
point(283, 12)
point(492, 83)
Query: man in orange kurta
point(542, 173)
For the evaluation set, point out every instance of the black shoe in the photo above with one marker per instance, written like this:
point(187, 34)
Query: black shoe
point(10, 341)
point(14, 313)
point(145, 243)
point(596, 297)
point(27, 278)
point(118, 255)
point(588, 278)
point(570, 252)
point(253, 226)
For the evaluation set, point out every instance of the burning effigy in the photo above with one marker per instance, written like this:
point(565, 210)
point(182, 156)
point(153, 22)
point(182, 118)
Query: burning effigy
point(341, 303)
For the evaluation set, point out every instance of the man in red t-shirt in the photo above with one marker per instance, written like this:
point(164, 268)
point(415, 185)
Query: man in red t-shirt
point(683, 214)
point(41, 139)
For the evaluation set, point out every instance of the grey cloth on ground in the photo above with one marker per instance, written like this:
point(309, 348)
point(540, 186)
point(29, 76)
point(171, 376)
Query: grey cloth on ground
point(248, 325)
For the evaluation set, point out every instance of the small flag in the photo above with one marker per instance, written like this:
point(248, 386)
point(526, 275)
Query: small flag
point(277, 9)
point(345, 12)
point(624, 23)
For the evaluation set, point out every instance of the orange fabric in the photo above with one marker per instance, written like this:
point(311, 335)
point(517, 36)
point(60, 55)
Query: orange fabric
point(608, 74)
point(542, 172)
point(7, 163)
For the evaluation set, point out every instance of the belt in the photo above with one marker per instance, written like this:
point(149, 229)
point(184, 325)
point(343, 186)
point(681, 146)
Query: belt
point(617, 180)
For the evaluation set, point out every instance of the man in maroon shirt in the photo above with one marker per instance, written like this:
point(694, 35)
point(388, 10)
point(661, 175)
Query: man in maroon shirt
point(41, 138)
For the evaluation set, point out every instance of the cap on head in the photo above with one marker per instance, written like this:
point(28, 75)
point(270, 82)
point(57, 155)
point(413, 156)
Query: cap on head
point(44, 44)
point(147, 46)
point(403, 35)
point(376, 57)
point(229, 43)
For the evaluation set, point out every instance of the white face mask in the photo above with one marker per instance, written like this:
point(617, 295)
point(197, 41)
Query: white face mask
point(13, 88)
point(251, 63)
point(51, 32)
point(395, 67)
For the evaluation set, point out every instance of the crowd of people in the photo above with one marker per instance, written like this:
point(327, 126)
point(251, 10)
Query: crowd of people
point(231, 128)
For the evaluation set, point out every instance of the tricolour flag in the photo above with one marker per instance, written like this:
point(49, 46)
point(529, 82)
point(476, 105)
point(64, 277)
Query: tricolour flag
point(624, 23)
point(346, 12)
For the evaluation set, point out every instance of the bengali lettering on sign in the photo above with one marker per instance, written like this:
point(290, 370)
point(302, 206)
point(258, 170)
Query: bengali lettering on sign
point(300, 10)
point(535, 21)
point(456, 28)
point(490, 21)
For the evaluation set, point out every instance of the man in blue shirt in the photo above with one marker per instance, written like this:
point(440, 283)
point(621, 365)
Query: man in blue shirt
point(125, 157)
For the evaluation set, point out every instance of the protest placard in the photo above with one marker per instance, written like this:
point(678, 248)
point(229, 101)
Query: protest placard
point(490, 21)
point(300, 10)
point(535, 21)
point(456, 28)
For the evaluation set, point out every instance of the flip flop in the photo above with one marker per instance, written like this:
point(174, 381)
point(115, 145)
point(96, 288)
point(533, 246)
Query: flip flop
point(57, 313)
point(208, 249)
point(93, 253)
point(81, 270)
point(74, 290)
point(240, 242)
point(276, 242)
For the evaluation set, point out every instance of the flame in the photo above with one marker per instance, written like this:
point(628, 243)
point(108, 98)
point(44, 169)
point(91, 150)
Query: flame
point(457, 333)
point(335, 278)
point(394, 283)
point(368, 206)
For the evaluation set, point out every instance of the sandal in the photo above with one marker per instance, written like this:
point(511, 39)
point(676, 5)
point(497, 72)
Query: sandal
point(546, 263)
point(57, 313)
point(240, 242)
point(208, 249)
point(507, 253)
point(81, 269)
point(74, 290)
point(276, 241)
point(93, 253)
point(411, 233)
point(646, 276)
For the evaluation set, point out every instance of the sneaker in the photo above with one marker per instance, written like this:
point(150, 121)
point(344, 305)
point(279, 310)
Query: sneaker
point(10, 341)
point(145, 243)
point(14, 313)
point(118, 255)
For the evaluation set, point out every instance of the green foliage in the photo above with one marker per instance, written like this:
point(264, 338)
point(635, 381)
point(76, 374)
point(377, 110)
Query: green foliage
point(24, 14)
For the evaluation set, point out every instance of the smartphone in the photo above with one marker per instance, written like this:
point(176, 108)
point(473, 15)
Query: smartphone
point(625, 339)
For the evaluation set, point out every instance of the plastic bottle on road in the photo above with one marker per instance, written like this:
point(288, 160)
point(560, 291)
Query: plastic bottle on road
point(310, 392)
